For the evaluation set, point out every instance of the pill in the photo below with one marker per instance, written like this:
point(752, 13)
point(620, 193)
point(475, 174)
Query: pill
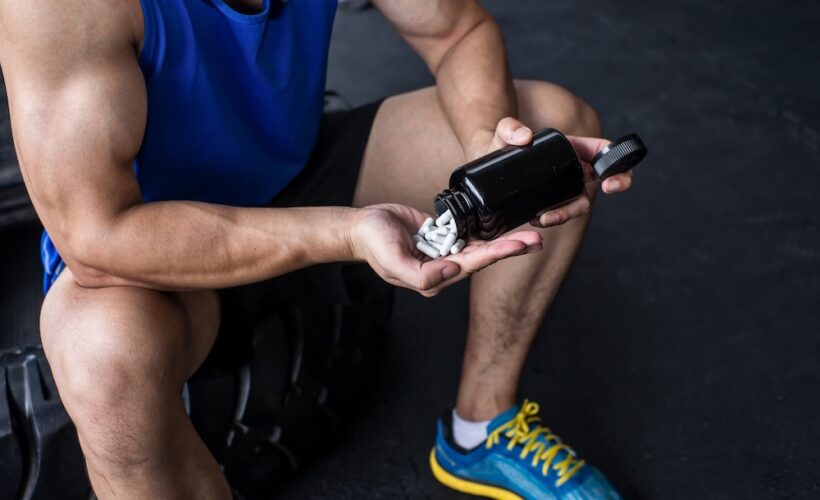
point(433, 236)
point(447, 244)
point(427, 226)
point(440, 237)
point(444, 218)
point(426, 249)
point(436, 245)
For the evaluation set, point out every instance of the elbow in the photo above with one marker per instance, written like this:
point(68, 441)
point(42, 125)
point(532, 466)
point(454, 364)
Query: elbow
point(90, 277)
point(476, 20)
point(85, 256)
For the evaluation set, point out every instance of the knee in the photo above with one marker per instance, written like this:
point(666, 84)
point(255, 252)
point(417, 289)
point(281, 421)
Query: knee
point(108, 379)
point(586, 118)
point(94, 380)
point(543, 104)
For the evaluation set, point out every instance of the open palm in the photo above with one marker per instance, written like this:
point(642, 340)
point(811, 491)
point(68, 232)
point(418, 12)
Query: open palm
point(382, 236)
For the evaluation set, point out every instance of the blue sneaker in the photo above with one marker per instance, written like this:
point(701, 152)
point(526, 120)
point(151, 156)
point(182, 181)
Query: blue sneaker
point(519, 460)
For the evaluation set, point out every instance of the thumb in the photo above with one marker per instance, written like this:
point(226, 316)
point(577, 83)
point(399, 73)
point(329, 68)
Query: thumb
point(510, 131)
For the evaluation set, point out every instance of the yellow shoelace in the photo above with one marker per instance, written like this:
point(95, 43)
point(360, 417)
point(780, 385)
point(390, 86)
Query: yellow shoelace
point(524, 429)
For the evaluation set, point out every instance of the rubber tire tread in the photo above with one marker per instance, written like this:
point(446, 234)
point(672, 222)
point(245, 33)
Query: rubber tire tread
point(40, 456)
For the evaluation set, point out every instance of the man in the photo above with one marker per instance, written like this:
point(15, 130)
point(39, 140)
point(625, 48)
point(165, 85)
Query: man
point(173, 148)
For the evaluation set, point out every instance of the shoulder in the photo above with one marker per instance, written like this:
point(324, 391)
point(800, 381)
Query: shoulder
point(55, 34)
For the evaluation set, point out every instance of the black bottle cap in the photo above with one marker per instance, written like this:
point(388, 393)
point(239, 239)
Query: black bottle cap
point(622, 155)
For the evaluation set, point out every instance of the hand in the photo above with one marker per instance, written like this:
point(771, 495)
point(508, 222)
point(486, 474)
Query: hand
point(382, 235)
point(512, 132)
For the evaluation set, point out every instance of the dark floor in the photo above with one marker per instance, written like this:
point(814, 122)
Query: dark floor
point(683, 354)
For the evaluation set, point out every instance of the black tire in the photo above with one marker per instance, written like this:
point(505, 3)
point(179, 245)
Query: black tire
point(39, 454)
point(265, 403)
point(316, 337)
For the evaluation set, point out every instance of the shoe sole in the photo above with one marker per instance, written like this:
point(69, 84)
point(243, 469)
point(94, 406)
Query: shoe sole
point(465, 486)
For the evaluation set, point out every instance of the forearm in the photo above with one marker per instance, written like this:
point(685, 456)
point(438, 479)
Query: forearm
point(475, 87)
point(179, 245)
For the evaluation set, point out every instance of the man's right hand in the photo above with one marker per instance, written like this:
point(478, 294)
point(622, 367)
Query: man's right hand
point(381, 235)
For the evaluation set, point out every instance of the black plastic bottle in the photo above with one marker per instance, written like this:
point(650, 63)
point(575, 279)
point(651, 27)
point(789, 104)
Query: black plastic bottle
point(507, 188)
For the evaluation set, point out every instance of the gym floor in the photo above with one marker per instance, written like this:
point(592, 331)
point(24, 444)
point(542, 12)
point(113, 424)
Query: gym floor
point(682, 356)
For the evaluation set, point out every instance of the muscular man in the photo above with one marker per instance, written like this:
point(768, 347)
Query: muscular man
point(173, 148)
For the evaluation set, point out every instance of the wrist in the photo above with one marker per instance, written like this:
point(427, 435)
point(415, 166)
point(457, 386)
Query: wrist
point(346, 222)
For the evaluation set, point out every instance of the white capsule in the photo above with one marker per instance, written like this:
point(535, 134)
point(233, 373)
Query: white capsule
point(426, 249)
point(417, 238)
point(427, 226)
point(447, 244)
point(443, 230)
point(457, 246)
point(444, 219)
point(437, 246)
point(434, 236)
point(452, 225)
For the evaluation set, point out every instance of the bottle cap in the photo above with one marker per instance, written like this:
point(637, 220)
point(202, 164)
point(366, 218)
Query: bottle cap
point(621, 155)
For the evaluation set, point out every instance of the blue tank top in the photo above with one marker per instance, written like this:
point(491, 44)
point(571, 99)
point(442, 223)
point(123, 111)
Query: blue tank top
point(234, 101)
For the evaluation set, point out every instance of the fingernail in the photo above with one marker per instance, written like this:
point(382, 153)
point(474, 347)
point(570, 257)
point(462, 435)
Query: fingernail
point(552, 218)
point(534, 248)
point(614, 185)
point(448, 272)
point(521, 134)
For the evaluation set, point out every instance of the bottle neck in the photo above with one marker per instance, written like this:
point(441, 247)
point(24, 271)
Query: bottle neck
point(462, 208)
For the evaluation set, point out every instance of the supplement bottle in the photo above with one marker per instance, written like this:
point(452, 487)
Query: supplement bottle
point(509, 187)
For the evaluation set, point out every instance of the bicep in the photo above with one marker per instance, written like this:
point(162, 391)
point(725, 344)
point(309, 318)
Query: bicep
point(76, 131)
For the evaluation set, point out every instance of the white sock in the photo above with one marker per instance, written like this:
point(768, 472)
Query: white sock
point(468, 434)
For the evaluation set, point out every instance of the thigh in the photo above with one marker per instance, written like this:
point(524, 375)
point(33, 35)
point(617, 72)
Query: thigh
point(412, 149)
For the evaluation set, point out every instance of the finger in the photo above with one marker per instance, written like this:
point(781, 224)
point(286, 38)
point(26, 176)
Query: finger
point(486, 254)
point(589, 173)
point(618, 183)
point(531, 239)
point(562, 214)
point(479, 254)
point(588, 147)
point(423, 276)
point(511, 131)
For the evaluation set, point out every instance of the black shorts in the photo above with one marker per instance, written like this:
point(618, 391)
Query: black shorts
point(328, 179)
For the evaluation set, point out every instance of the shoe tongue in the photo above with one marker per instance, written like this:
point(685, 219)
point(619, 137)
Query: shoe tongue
point(502, 419)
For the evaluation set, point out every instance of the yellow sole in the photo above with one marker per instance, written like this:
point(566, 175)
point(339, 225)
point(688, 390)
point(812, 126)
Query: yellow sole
point(468, 487)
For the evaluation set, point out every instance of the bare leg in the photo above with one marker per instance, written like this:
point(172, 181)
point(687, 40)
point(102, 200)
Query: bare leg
point(409, 157)
point(120, 357)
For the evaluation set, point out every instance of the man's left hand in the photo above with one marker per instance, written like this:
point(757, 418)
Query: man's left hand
point(511, 132)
